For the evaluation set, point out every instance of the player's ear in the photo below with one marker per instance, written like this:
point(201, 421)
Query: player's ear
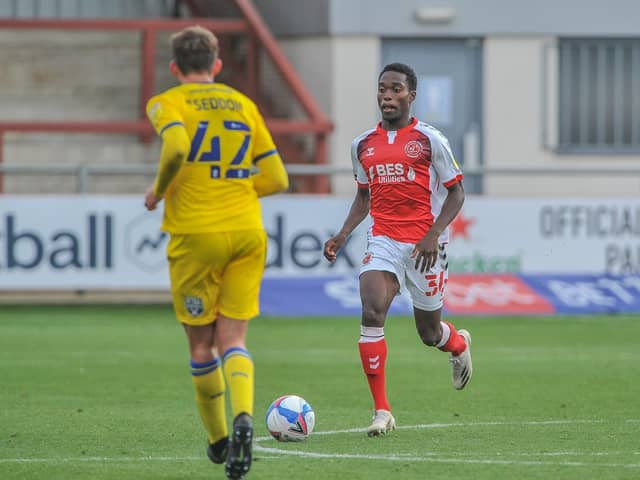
point(217, 67)
point(173, 68)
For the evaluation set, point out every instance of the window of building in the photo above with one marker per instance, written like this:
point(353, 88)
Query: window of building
point(599, 95)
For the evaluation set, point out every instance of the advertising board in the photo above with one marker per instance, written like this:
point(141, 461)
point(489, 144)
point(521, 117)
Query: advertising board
point(529, 255)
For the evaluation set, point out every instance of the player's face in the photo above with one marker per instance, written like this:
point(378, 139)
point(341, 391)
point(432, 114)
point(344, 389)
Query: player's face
point(394, 97)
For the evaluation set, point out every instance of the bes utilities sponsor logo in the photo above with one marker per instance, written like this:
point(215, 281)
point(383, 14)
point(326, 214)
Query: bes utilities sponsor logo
point(390, 173)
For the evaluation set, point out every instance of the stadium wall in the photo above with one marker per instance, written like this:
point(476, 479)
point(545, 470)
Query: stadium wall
point(57, 75)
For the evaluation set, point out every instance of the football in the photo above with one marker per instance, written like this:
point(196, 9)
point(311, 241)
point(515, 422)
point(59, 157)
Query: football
point(290, 419)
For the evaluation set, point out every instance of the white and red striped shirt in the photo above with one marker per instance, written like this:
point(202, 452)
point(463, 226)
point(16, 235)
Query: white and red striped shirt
point(407, 172)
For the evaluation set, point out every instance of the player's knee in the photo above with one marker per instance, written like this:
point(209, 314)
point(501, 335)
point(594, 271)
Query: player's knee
point(201, 353)
point(372, 317)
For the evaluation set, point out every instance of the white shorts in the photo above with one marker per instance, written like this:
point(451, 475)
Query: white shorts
point(426, 289)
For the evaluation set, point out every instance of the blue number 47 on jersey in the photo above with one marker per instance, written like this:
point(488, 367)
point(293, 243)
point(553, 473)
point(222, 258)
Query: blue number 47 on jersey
point(214, 153)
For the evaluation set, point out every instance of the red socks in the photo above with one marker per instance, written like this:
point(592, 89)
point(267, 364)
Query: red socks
point(374, 356)
point(456, 344)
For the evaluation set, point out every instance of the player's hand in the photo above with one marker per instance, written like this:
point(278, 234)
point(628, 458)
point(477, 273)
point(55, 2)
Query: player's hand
point(426, 252)
point(151, 200)
point(333, 246)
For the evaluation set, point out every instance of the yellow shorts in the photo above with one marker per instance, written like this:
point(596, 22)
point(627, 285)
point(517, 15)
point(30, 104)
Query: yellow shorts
point(215, 273)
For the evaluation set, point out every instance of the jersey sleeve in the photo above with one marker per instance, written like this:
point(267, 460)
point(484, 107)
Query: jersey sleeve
point(263, 145)
point(444, 162)
point(358, 172)
point(271, 177)
point(162, 114)
point(175, 147)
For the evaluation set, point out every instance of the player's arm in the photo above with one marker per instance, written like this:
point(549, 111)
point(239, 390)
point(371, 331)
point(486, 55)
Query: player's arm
point(271, 177)
point(450, 209)
point(175, 148)
point(357, 213)
point(426, 250)
point(362, 202)
point(448, 170)
point(359, 208)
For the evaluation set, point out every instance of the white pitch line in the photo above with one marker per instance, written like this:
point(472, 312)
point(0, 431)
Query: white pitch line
point(428, 456)
point(431, 459)
point(431, 456)
point(449, 425)
point(98, 459)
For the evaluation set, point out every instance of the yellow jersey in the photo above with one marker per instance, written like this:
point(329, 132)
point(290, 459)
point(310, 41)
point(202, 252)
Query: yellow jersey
point(213, 190)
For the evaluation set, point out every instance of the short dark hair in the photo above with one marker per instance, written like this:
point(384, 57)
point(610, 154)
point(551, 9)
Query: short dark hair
point(194, 49)
point(412, 80)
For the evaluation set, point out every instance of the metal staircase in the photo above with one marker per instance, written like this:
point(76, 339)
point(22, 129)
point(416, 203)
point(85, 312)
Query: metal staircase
point(241, 56)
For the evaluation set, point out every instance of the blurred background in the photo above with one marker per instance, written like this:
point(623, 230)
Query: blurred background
point(540, 102)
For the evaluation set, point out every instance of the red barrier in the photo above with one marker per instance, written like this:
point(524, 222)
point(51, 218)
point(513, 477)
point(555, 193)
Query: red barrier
point(252, 25)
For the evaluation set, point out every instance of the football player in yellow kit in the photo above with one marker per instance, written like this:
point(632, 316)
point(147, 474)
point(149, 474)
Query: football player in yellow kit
point(212, 138)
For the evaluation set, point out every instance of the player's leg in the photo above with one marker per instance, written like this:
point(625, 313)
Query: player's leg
point(239, 373)
point(377, 291)
point(443, 335)
point(195, 304)
point(427, 291)
point(238, 303)
point(209, 384)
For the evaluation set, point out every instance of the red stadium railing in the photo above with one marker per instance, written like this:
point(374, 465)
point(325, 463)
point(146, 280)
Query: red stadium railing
point(317, 124)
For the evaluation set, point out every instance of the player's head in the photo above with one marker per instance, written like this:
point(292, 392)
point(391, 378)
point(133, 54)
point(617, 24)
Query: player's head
point(397, 85)
point(195, 50)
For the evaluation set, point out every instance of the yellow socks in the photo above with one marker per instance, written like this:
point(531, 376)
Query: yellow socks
point(209, 385)
point(238, 372)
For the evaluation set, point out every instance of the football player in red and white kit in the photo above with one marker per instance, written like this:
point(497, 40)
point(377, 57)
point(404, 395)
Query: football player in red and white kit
point(410, 183)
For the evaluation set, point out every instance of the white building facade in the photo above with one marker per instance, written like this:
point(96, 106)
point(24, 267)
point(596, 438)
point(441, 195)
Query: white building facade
point(543, 96)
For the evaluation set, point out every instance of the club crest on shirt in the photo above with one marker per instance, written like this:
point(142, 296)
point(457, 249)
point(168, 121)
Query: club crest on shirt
point(367, 258)
point(155, 112)
point(413, 149)
point(194, 305)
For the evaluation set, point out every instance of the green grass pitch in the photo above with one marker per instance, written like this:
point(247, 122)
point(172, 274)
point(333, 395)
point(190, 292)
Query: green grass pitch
point(105, 393)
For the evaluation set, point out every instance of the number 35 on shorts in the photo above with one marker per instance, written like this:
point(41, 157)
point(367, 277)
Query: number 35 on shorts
point(435, 284)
